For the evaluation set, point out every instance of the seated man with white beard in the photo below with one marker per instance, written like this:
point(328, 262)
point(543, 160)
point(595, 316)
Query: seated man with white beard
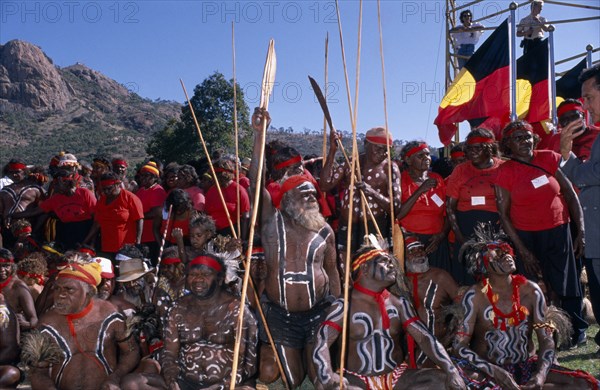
point(432, 289)
point(302, 278)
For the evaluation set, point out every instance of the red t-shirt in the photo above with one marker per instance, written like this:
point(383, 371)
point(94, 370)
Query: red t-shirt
point(118, 219)
point(183, 224)
point(474, 188)
point(535, 199)
point(76, 208)
point(152, 197)
point(427, 215)
point(197, 196)
point(244, 182)
point(582, 145)
point(214, 206)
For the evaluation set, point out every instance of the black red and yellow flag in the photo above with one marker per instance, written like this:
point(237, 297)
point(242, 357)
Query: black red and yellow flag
point(533, 98)
point(481, 89)
point(568, 86)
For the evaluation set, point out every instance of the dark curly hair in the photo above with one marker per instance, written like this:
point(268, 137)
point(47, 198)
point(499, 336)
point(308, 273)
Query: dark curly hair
point(491, 149)
point(512, 127)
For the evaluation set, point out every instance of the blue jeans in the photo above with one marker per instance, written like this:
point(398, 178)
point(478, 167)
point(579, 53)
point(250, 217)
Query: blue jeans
point(465, 50)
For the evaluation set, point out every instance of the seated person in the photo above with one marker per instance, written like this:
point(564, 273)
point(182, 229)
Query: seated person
point(494, 344)
point(89, 331)
point(200, 332)
point(377, 320)
point(431, 289)
point(9, 347)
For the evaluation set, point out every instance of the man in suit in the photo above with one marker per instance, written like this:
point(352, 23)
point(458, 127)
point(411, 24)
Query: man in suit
point(586, 177)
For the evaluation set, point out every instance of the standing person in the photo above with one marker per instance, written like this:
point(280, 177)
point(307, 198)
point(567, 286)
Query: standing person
point(465, 37)
point(119, 217)
point(586, 176)
point(182, 212)
point(100, 166)
point(502, 311)
point(377, 321)
point(72, 205)
point(25, 193)
point(119, 166)
point(423, 199)
point(535, 200)
point(569, 111)
point(170, 180)
point(532, 27)
point(90, 332)
point(153, 196)
point(187, 180)
point(225, 171)
point(302, 276)
point(470, 193)
point(200, 333)
point(374, 186)
point(431, 289)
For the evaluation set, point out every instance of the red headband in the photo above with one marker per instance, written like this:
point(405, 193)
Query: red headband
point(171, 260)
point(77, 272)
point(480, 140)
point(291, 183)
point(367, 256)
point(87, 251)
point(569, 107)
point(207, 261)
point(109, 182)
point(39, 278)
point(26, 229)
point(5, 260)
point(287, 163)
point(416, 149)
point(122, 163)
point(221, 170)
point(379, 140)
point(457, 154)
point(519, 127)
point(16, 166)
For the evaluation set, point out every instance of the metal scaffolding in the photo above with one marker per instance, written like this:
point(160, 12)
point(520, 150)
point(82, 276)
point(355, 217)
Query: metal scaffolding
point(452, 8)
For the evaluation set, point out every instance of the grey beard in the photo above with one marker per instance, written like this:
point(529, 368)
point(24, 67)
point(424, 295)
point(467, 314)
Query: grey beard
point(310, 219)
point(417, 268)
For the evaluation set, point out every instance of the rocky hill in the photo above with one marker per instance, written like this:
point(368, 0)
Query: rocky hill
point(45, 109)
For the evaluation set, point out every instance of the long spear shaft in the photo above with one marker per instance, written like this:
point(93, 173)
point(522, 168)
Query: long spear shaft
point(210, 164)
point(235, 127)
point(397, 238)
point(160, 251)
point(267, 85)
point(324, 116)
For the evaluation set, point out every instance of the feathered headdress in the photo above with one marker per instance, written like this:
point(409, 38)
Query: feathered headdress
point(473, 252)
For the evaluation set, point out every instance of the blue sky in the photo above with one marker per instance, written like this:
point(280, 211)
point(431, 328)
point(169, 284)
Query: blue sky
point(149, 45)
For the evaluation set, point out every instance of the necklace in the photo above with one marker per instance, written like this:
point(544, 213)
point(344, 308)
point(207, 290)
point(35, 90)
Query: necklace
point(5, 283)
point(518, 312)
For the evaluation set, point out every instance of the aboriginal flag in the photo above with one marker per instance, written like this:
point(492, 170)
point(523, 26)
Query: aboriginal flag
point(481, 89)
point(533, 100)
point(568, 86)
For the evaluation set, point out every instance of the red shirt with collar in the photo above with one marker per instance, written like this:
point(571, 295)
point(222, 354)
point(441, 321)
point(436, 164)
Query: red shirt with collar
point(474, 188)
point(214, 206)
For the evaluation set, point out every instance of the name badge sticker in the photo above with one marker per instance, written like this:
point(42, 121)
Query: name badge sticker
point(540, 181)
point(477, 200)
point(437, 200)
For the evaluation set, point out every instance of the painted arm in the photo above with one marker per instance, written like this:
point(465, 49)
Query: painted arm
point(129, 356)
point(544, 332)
point(575, 211)
point(462, 344)
point(328, 333)
point(330, 266)
point(170, 367)
point(268, 210)
point(429, 344)
point(327, 178)
point(530, 262)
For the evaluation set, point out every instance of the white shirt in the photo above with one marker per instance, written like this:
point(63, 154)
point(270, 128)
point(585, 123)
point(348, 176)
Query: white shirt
point(468, 37)
point(535, 24)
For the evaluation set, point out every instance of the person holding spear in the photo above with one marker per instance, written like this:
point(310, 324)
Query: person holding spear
point(302, 278)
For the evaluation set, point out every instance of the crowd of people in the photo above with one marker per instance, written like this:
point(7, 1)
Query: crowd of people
point(109, 281)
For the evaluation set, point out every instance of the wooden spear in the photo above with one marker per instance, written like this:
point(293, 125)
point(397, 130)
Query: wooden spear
point(267, 86)
point(351, 202)
point(160, 251)
point(210, 164)
point(324, 116)
point(397, 238)
point(235, 127)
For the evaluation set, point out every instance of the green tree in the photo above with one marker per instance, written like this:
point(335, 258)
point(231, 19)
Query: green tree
point(213, 106)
